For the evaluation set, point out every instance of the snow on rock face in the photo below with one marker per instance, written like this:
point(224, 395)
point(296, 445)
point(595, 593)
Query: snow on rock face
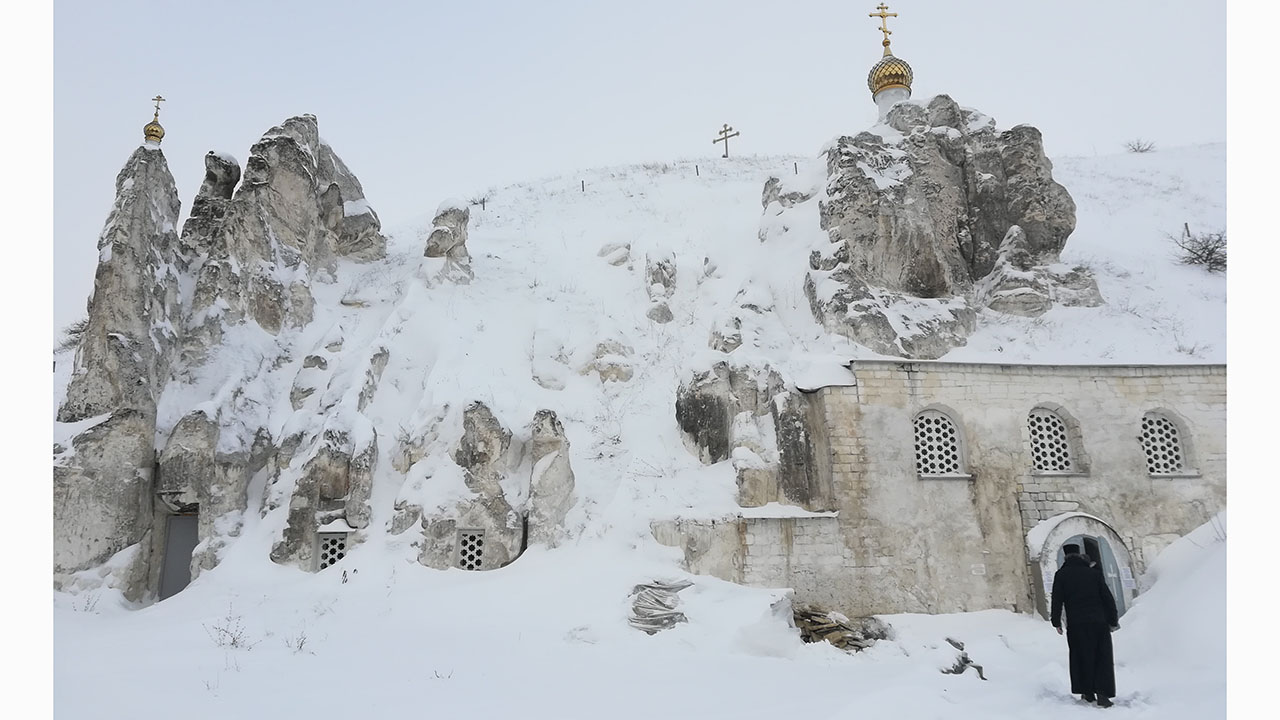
point(555, 319)
point(123, 358)
point(551, 483)
point(1019, 286)
point(101, 503)
point(914, 215)
point(101, 487)
point(749, 415)
point(487, 456)
point(447, 239)
point(237, 289)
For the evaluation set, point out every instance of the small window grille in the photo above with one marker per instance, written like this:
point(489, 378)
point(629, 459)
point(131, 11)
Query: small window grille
point(1162, 443)
point(937, 444)
point(1050, 448)
point(470, 549)
point(333, 547)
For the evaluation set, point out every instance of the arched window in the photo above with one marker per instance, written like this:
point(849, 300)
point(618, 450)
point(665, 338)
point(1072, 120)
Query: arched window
point(1050, 442)
point(937, 445)
point(1162, 443)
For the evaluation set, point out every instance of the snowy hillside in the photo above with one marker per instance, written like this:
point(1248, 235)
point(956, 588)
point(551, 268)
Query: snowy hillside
point(545, 299)
point(560, 288)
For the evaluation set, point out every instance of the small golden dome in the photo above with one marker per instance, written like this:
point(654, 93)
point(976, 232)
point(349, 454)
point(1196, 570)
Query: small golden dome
point(153, 132)
point(890, 72)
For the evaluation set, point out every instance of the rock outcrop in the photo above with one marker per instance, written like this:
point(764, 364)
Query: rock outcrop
point(486, 456)
point(551, 480)
point(447, 240)
point(248, 255)
point(1018, 285)
point(611, 362)
point(103, 480)
point(749, 416)
point(124, 354)
point(102, 501)
point(660, 284)
point(916, 212)
point(296, 211)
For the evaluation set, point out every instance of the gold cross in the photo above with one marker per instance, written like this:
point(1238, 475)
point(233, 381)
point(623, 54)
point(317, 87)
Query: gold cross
point(157, 100)
point(884, 23)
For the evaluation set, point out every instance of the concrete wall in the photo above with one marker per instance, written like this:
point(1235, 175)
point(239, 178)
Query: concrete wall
point(907, 543)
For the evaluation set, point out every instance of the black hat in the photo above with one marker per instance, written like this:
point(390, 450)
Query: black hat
point(1071, 549)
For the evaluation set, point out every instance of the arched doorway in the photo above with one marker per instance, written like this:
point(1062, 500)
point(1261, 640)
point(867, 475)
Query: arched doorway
point(1098, 540)
point(1099, 551)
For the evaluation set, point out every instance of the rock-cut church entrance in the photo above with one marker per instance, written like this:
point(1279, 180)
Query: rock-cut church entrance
point(1099, 551)
point(179, 544)
point(1096, 538)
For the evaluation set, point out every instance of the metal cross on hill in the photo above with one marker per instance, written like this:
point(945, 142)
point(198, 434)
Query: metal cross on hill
point(884, 20)
point(726, 132)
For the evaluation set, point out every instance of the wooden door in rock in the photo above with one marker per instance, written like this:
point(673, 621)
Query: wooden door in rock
point(1099, 551)
point(180, 542)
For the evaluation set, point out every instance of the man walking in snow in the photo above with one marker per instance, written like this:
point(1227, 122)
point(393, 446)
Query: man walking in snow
point(1091, 618)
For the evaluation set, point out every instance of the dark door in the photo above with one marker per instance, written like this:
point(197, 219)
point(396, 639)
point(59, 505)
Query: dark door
point(180, 541)
point(1099, 551)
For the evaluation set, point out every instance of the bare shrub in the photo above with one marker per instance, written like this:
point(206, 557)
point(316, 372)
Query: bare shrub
point(1138, 145)
point(72, 335)
point(229, 632)
point(1207, 249)
point(297, 643)
point(88, 602)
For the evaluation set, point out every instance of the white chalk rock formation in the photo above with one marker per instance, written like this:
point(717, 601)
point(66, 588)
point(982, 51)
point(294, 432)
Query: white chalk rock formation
point(446, 241)
point(551, 481)
point(916, 211)
point(102, 475)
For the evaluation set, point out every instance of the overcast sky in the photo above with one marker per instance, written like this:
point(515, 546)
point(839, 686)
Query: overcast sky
point(428, 100)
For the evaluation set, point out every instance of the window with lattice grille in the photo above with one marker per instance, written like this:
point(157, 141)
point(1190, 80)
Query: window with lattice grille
point(937, 445)
point(470, 549)
point(1050, 446)
point(333, 547)
point(1163, 445)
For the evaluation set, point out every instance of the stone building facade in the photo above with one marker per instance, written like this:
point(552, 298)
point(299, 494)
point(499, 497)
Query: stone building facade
point(956, 484)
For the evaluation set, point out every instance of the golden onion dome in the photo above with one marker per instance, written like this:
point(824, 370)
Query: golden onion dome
point(890, 72)
point(153, 131)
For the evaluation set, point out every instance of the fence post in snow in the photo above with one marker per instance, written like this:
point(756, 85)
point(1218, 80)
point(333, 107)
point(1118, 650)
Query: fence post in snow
point(695, 171)
point(584, 186)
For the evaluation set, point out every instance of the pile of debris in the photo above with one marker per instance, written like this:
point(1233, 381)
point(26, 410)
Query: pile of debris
point(653, 605)
point(818, 625)
point(963, 662)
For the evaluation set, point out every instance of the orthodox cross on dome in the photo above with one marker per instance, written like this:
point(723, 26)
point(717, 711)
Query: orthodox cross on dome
point(726, 132)
point(884, 23)
point(152, 132)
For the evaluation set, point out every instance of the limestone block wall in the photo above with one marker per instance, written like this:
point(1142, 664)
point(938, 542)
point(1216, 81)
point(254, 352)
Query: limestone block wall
point(958, 542)
point(801, 552)
point(795, 552)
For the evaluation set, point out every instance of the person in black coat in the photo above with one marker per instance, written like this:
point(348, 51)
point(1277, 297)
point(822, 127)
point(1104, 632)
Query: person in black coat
point(1091, 618)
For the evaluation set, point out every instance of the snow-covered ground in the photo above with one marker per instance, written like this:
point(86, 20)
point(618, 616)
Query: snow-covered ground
point(547, 635)
point(547, 638)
